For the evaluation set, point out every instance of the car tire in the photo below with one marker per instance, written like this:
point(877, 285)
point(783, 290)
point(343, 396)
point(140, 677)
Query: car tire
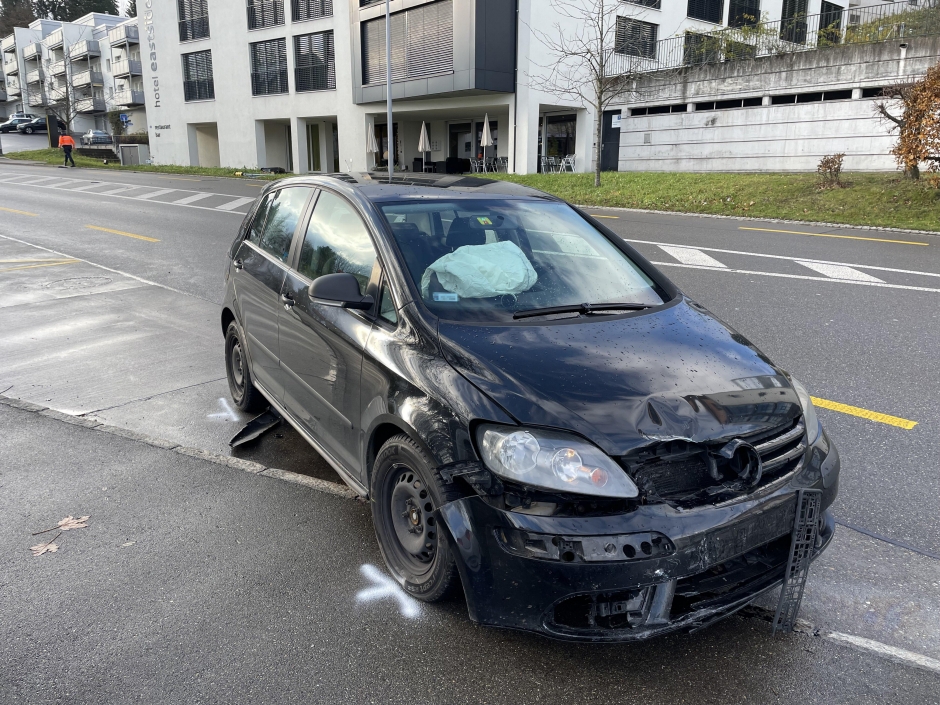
point(244, 393)
point(405, 491)
point(28, 130)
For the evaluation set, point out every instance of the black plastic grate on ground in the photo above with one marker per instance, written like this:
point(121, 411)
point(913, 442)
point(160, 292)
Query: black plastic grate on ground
point(805, 528)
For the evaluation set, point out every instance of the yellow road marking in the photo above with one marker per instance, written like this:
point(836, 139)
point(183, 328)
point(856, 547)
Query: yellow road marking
point(34, 266)
point(841, 237)
point(13, 210)
point(597, 215)
point(864, 413)
point(121, 232)
point(178, 178)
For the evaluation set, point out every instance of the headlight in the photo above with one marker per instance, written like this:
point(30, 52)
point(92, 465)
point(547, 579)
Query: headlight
point(809, 413)
point(553, 461)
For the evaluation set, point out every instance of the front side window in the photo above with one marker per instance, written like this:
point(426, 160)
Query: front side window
point(269, 67)
point(283, 212)
point(197, 76)
point(387, 306)
point(336, 241)
point(486, 260)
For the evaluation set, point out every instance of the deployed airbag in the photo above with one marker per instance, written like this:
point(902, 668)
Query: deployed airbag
point(482, 271)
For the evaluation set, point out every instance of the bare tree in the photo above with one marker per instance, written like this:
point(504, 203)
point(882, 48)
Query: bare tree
point(595, 59)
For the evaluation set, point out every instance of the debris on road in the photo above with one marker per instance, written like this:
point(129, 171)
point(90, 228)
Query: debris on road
point(256, 428)
point(68, 524)
point(49, 547)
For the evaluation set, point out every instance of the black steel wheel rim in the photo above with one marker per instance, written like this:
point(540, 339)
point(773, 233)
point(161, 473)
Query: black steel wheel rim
point(236, 366)
point(412, 528)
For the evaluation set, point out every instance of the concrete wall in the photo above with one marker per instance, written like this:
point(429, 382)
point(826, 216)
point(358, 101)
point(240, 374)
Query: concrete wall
point(773, 137)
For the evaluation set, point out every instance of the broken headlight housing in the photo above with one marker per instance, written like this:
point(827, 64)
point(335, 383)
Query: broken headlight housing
point(809, 412)
point(553, 461)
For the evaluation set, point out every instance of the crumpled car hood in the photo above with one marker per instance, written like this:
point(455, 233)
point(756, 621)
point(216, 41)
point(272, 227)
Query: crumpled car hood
point(626, 382)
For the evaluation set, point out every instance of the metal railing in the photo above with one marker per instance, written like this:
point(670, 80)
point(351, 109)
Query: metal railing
point(10, 66)
point(269, 82)
point(196, 28)
point(855, 25)
point(57, 68)
point(126, 67)
point(129, 97)
point(199, 89)
point(87, 78)
point(35, 76)
point(86, 47)
point(315, 78)
point(32, 51)
point(90, 105)
point(36, 98)
point(54, 39)
point(124, 33)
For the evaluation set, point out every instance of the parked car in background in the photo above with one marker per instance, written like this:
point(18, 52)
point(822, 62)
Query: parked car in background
point(28, 116)
point(96, 137)
point(38, 125)
point(11, 124)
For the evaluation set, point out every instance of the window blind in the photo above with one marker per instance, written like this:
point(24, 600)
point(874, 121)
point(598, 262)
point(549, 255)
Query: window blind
point(636, 38)
point(310, 9)
point(315, 62)
point(422, 43)
point(269, 67)
point(197, 76)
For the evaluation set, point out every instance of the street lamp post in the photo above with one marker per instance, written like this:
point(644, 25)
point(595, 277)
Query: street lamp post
point(388, 86)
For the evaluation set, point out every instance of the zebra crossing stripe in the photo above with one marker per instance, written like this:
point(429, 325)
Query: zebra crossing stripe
point(838, 271)
point(122, 189)
point(232, 205)
point(192, 199)
point(154, 194)
point(689, 255)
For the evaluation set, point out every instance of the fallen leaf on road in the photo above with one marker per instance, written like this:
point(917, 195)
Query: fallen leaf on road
point(71, 522)
point(49, 547)
point(129, 543)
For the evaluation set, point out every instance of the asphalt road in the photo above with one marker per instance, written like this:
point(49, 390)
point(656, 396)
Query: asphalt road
point(118, 322)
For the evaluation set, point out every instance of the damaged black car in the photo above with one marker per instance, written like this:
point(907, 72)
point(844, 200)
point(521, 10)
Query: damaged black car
point(537, 415)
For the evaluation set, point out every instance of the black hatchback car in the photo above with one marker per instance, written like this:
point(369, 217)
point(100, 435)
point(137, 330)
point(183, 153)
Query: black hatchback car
point(534, 411)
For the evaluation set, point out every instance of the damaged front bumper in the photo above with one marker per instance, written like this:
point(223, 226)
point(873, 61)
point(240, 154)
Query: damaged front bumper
point(631, 576)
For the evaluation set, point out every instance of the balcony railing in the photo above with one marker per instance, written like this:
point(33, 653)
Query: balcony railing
point(32, 51)
point(56, 93)
point(84, 49)
point(90, 105)
point(196, 28)
point(3, 94)
point(269, 82)
point(315, 78)
point(199, 89)
point(57, 68)
point(13, 91)
point(36, 98)
point(35, 76)
point(129, 98)
point(125, 33)
point(126, 67)
point(87, 78)
point(855, 25)
point(54, 39)
point(8, 43)
point(11, 66)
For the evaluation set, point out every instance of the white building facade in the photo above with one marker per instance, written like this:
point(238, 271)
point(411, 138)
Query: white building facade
point(78, 71)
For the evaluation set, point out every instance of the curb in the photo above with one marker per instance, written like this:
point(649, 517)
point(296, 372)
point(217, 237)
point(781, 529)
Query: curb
point(249, 466)
point(749, 218)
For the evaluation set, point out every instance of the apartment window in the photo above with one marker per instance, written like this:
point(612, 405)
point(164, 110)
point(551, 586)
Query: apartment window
point(655, 4)
point(301, 10)
point(269, 67)
point(422, 43)
point(636, 38)
point(793, 21)
point(194, 19)
point(265, 13)
point(743, 13)
point(707, 10)
point(701, 49)
point(315, 62)
point(197, 76)
point(830, 23)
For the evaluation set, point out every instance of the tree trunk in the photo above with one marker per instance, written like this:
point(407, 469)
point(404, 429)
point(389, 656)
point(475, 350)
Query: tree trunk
point(599, 130)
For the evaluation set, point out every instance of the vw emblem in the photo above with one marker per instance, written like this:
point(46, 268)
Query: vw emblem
point(743, 460)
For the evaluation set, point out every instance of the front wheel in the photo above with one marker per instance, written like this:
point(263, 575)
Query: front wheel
point(244, 393)
point(406, 490)
point(28, 130)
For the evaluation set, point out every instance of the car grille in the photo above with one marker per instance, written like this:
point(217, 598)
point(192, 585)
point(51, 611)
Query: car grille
point(678, 472)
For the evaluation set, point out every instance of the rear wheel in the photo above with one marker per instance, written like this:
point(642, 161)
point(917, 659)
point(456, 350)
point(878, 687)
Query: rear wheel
point(28, 130)
point(406, 490)
point(244, 393)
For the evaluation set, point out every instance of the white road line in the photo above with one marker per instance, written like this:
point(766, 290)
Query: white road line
point(839, 271)
point(689, 255)
point(93, 184)
point(36, 180)
point(122, 189)
point(799, 276)
point(193, 198)
point(789, 258)
point(891, 652)
point(154, 194)
point(232, 205)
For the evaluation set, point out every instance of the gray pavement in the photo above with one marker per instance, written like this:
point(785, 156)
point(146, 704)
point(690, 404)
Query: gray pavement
point(128, 335)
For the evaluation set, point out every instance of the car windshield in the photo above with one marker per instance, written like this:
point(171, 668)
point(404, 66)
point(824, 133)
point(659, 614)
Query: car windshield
point(491, 260)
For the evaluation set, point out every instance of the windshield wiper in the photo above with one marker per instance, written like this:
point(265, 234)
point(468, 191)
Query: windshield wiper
point(583, 309)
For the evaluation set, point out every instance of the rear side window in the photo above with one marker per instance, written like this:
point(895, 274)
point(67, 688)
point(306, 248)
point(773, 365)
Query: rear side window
point(273, 227)
point(336, 241)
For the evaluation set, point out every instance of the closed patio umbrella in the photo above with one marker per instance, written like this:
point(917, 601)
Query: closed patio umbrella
point(487, 140)
point(372, 146)
point(424, 144)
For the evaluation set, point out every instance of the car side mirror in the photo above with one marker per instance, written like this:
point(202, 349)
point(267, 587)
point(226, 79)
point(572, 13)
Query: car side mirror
point(340, 289)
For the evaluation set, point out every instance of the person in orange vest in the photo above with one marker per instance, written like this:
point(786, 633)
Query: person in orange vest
point(67, 144)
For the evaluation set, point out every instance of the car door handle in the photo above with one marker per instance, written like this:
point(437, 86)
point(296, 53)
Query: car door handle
point(288, 301)
point(238, 264)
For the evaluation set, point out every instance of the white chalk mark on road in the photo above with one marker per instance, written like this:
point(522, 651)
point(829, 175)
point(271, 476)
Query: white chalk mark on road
point(384, 587)
point(227, 413)
point(839, 271)
point(893, 653)
point(689, 255)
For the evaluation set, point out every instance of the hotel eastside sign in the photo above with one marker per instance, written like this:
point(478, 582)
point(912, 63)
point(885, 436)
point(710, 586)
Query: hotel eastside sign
point(148, 21)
